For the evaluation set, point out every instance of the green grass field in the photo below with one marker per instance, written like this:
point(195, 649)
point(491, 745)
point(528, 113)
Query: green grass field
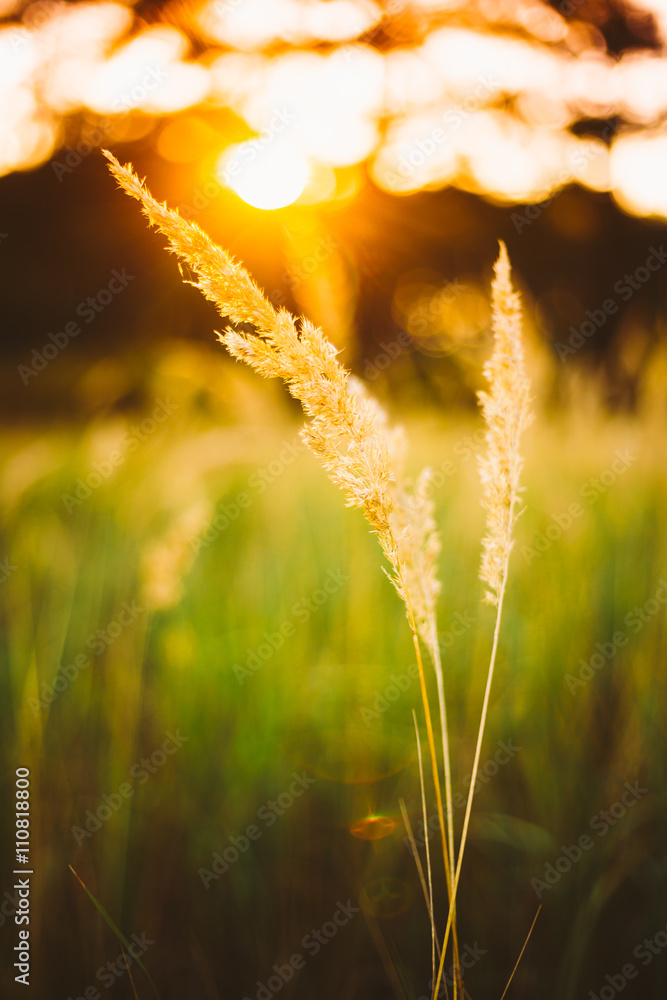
point(167, 676)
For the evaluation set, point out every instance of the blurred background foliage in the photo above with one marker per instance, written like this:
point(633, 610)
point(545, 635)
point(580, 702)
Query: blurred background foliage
point(214, 580)
point(401, 140)
point(418, 133)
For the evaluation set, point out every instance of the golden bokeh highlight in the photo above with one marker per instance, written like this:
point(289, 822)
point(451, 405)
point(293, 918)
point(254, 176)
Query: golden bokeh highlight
point(373, 828)
point(442, 316)
point(267, 177)
point(485, 104)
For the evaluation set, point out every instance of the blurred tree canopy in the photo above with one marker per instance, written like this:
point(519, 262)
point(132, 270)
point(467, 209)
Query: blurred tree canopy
point(362, 158)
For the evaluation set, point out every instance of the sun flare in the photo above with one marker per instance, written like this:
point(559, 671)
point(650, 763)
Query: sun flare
point(267, 177)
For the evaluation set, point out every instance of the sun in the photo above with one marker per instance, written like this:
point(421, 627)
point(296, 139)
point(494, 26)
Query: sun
point(266, 175)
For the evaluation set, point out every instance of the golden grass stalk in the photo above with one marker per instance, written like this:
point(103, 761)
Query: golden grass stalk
point(348, 432)
point(506, 410)
point(419, 544)
point(423, 557)
point(435, 943)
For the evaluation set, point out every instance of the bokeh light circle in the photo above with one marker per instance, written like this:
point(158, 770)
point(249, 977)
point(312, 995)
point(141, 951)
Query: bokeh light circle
point(267, 174)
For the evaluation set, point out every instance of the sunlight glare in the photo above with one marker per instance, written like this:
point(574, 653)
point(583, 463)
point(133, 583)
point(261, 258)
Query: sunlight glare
point(268, 178)
point(146, 74)
point(638, 171)
point(642, 87)
point(256, 24)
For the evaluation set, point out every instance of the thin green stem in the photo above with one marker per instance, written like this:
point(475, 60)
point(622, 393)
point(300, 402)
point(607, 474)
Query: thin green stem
point(434, 767)
point(437, 663)
point(435, 942)
point(427, 888)
point(478, 750)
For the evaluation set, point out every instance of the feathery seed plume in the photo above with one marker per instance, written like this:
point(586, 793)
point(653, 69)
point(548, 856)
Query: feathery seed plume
point(348, 431)
point(506, 410)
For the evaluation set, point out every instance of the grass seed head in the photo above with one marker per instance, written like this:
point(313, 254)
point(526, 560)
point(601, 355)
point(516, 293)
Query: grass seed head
point(348, 430)
point(506, 410)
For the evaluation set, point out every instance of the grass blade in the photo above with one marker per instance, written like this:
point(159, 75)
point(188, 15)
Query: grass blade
point(119, 934)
